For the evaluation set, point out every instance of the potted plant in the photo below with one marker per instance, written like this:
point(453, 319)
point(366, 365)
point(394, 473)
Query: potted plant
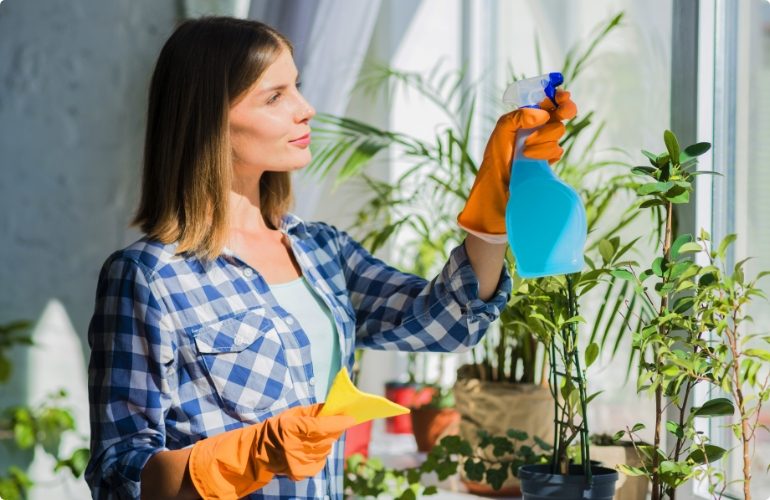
point(433, 420)
point(690, 333)
point(559, 316)
point(412, 393)
point(507, 453)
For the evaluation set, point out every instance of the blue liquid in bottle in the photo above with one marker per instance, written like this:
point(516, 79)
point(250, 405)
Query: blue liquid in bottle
point(545, 218)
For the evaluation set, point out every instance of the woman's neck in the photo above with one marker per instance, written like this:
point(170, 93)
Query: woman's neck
point(245, 215)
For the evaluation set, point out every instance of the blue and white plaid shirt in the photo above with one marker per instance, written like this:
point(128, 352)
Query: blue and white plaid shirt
point(182, 349)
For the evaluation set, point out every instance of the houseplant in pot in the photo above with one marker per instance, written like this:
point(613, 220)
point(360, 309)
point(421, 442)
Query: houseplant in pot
point(559, 315)
point(692, 334)
point(433, 420)
point(412, 393)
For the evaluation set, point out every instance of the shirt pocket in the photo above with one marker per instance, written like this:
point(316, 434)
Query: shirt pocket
point(245, 361)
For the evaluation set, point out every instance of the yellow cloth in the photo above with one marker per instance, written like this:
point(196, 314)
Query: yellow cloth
point(345, 399)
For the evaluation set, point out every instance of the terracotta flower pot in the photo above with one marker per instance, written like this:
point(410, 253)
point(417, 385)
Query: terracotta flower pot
point(409, 395)
point(357, 439)
point(428, 424)
point(486, 490)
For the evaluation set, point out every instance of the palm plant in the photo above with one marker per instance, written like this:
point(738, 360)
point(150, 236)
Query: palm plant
point(439, 174)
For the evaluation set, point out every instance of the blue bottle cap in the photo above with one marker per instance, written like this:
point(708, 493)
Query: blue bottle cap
point(554, 80)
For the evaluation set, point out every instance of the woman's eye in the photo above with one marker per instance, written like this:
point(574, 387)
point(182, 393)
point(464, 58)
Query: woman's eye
point(298, 85)
point(274, 98)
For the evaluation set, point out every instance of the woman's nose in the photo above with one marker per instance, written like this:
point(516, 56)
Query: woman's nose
point(306, 111)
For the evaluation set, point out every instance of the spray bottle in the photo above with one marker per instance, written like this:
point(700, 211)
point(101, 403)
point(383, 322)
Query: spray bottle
point(545, 218)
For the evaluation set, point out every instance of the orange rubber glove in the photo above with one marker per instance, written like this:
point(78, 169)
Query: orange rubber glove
point(484, 212)
point(294, 443)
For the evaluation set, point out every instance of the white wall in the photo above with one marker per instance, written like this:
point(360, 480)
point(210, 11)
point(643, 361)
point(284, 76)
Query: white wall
point(73, 82)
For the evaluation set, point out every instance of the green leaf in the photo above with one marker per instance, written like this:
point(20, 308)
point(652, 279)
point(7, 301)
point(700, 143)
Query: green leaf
point(650, 156)
point(658, 266)
point(681, 240)
point(542, 444)
point(76, 463)
point(678, 196)
point(712, 453)
point(592, 396)
point(654, 188)
point(683, 304)
point(24, 434)
point(655, 202)
point(727, 241)
point(430, 490)
point(637, 427)
point(606, 250)
point(631, 471)
point(623, 274)
point(690, 248)
point(697, 149)
point(644, 170)
point(675, 429)
point(758, 353)
point(517, 435)
point(715, 408)
point(672, 145)
point(474, 470)
point(496, 477)
point(707, 279)
point(592, 352)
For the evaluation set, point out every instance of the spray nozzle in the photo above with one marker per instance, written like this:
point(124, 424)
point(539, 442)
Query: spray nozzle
point(530, 92)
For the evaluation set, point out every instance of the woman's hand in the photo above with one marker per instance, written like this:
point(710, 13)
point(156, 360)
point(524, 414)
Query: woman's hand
point(302, 440)
point(484, 212)
point(295, 443)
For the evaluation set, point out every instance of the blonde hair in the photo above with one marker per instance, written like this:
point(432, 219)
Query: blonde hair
point(204, 67)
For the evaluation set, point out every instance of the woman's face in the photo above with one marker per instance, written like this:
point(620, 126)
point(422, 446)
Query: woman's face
point(270, 123)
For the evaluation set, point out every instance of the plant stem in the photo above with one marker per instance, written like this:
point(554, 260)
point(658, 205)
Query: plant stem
point(584, 450)
point(656, 486)
point(556, 418)
point(732, 337)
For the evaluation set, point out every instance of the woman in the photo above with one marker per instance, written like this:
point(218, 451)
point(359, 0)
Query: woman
point(215, 336)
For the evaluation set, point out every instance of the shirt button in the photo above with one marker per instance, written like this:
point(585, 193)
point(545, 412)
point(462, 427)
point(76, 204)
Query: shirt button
point(289, 320)
point(311, 381)
point(248, 272)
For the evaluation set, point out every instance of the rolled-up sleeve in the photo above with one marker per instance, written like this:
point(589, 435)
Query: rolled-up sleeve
point(401, 311)
point(127, 382)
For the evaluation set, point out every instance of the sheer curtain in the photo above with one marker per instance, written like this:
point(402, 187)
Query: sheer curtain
point(330, 38)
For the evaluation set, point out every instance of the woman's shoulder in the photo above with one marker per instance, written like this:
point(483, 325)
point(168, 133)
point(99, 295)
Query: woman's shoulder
point(148, 253)
point(317, 230)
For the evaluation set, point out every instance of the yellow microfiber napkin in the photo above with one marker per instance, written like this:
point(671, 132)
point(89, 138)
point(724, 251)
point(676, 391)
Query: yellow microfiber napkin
point(345, 399)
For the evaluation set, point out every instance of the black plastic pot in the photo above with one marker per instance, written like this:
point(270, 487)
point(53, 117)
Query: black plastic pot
point(537, 483)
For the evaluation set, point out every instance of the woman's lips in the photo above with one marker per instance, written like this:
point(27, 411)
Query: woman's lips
point(301, 141)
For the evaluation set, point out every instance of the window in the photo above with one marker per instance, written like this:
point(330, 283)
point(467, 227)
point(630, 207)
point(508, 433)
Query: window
point(734, 50)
